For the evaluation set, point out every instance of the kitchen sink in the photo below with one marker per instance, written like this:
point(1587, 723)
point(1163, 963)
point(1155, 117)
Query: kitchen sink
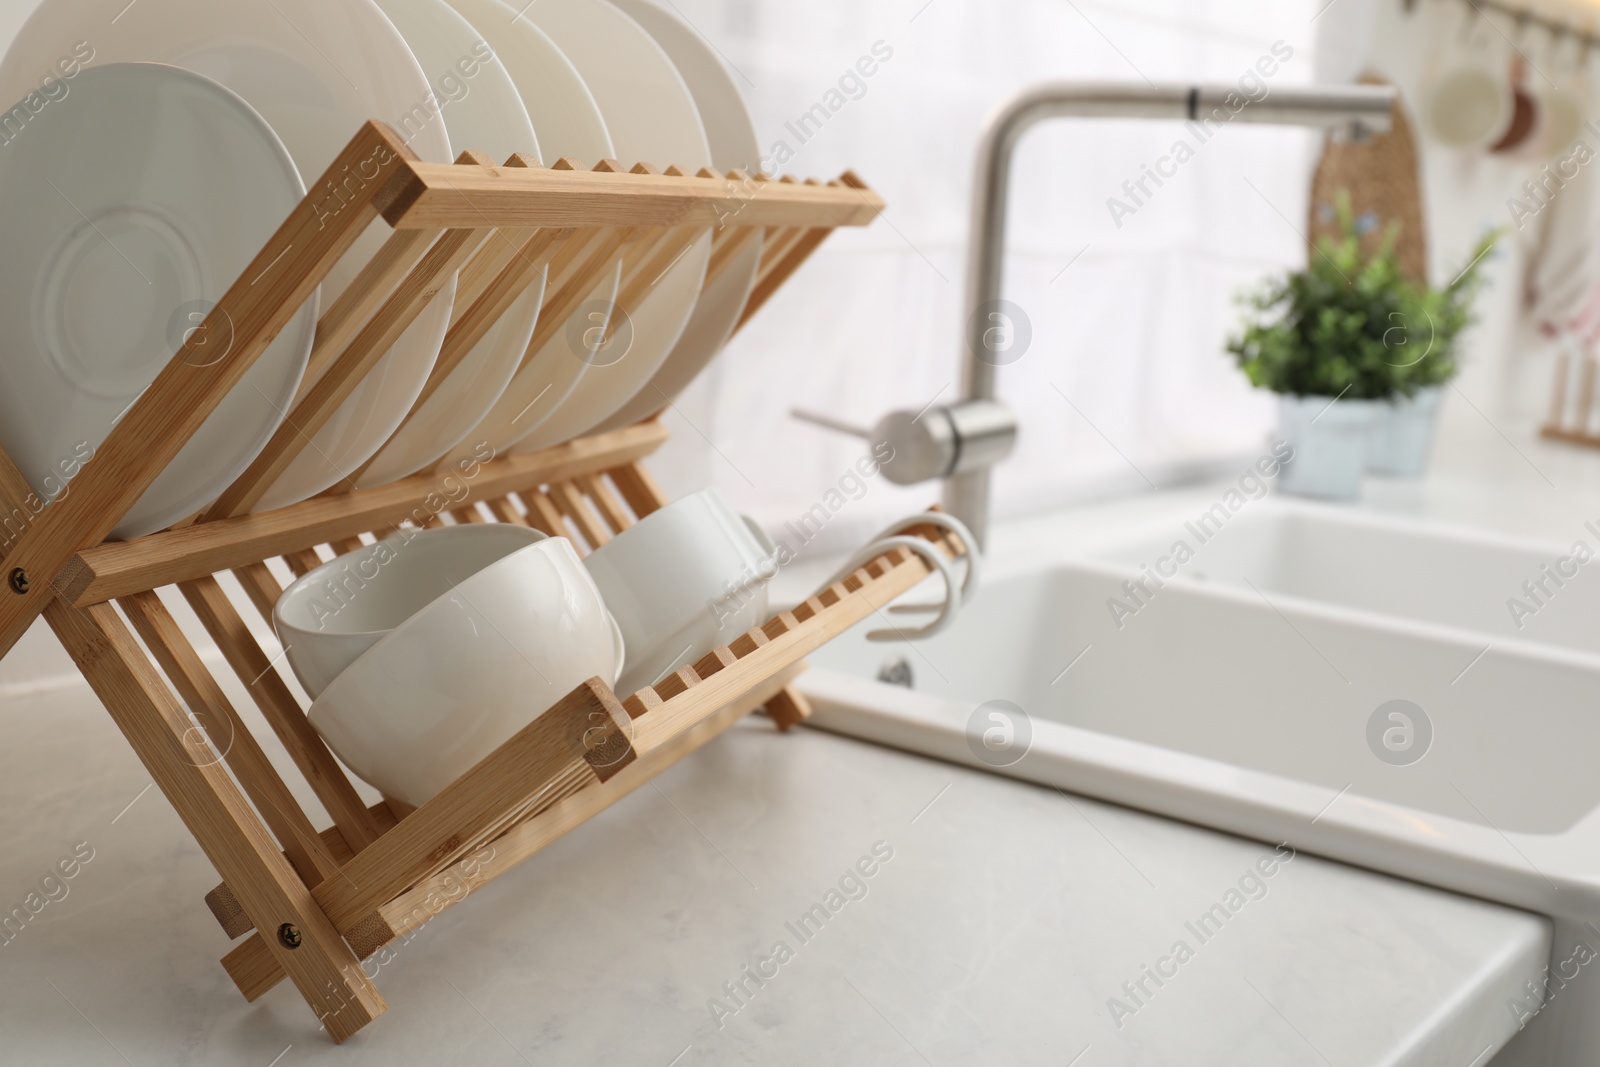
point(1357, 687)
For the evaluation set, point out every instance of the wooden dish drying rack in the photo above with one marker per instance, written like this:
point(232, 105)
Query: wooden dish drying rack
point(311, 904)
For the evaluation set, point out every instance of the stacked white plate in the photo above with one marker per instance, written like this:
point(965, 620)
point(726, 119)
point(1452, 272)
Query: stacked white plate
point(155, 147)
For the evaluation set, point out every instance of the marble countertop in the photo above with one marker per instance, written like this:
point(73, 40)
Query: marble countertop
point(1000, 923)
point(954, 918)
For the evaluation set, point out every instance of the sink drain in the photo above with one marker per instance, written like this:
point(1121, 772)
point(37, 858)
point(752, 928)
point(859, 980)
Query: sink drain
point(896, 670)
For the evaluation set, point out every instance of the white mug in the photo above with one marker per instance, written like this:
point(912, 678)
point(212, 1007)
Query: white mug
point(683, 580)
point(955, 596)
point(1564, 105)
point(1470, 104)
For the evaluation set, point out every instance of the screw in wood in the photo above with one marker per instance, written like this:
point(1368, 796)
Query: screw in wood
point(289, 934)
point(19, 581)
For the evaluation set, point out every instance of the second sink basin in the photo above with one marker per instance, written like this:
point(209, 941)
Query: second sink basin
point(1501, 587)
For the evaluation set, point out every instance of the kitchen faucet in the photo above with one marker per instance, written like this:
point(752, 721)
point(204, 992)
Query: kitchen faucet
point(959, 442)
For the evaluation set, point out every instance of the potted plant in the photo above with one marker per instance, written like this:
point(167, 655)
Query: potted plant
point(1357, 353)
point(1424, 350)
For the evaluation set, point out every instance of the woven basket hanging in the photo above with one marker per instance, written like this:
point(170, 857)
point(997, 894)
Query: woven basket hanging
point(1384, 183)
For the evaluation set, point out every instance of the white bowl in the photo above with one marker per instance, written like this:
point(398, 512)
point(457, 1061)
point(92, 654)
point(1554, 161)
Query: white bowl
point(457, 679)
point(684, 580)
point(333, 614)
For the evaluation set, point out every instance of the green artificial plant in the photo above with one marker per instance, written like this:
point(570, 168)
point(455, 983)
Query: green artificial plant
point(1351, 324)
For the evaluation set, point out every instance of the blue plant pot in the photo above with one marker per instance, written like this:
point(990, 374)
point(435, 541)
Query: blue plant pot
point(1329, 438)
point(1401, 437)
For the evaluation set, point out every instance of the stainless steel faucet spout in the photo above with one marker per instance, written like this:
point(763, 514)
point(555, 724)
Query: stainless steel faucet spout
point(1356, 107)
point(960, 442)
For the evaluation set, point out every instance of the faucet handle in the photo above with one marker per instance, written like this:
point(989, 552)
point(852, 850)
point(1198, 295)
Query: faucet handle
point(920, 446)
point(829, 423)
point(935, 442)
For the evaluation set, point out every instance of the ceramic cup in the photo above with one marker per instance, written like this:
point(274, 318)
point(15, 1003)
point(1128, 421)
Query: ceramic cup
point(1470, 103)
point(682, 581)
point(1563, 112)
point(1523, 134)
point(1564, 103)
point(955, 596)
point(460, 676)
point(333, 614)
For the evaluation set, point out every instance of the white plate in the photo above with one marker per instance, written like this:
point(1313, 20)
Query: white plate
point(569, 124)
point(315, 70)
point(653, 119)
point(101, 266)
point(483, 111)
point(732, 133)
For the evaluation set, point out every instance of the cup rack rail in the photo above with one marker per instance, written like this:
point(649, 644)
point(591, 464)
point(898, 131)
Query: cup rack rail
point(310, 904)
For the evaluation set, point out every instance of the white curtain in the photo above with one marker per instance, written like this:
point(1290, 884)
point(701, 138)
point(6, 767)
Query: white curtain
point(1131, 333)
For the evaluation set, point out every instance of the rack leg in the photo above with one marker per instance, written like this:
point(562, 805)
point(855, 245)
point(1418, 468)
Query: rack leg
point(788, 708)
point(303, 942)
point(254, 971)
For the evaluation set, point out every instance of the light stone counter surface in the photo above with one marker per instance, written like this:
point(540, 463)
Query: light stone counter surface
point(997, 923)
point(1005, 922)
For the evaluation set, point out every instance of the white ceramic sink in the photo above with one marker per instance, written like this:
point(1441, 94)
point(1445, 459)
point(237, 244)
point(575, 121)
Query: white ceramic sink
point(1501, 587)
point(1239, 694)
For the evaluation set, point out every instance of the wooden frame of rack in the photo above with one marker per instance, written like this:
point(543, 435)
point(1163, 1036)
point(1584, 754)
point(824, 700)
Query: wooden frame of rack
point(1572, 398)
point(310, 904)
